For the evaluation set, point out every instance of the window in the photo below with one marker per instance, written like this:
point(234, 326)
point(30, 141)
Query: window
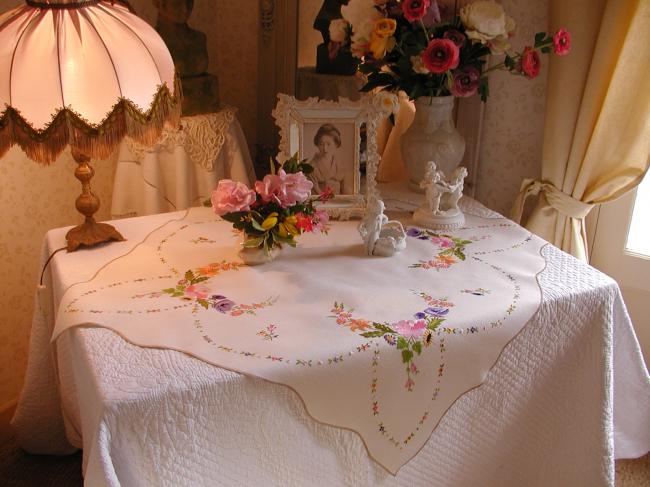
point(638, 238)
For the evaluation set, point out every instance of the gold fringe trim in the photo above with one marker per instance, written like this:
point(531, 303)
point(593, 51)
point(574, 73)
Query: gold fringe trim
point(96, 141)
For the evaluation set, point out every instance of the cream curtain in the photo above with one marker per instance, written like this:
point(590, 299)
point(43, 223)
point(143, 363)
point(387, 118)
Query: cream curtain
point(597, 131)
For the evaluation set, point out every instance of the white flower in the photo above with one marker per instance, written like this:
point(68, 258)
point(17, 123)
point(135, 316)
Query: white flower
point(487, 22)
point(361, 15)
point(357, 12)
point(338, 30)
point(418, 65)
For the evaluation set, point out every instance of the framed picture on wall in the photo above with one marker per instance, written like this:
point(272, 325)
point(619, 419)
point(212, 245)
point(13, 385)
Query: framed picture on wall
point(327, 134)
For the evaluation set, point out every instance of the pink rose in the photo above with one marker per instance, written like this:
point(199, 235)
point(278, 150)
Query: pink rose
point(284, 189)
point(415, 10)
point(270, 188)
point(530, 63)
point(562, 42)
point(465, 81)
point(297, 188)
point(441, 55)
point(231, 196)
point(411, 329)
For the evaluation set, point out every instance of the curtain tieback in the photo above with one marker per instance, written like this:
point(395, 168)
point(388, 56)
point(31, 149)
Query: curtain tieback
point(562, 202)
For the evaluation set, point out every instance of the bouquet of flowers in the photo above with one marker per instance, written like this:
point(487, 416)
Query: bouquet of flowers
point(277, 210)
point(412, 45)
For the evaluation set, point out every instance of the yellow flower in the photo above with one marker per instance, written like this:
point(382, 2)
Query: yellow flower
point(385, 27)
point(291, 219)
point(270, 222)
point(291, 228)
point(282, 230)
point(380, 39)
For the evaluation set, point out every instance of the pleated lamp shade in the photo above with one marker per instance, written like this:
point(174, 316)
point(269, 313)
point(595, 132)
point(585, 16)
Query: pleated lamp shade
point(84, 73)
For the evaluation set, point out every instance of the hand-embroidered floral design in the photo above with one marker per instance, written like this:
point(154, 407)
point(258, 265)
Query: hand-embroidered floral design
point(451, 249)
point(476, 292)
point(202, 240)
point(268, 333)
point(408, 336)
point(193, 288)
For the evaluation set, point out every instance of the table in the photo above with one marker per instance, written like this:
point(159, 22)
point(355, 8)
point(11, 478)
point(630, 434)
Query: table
point(568, 395)
point(182, 169)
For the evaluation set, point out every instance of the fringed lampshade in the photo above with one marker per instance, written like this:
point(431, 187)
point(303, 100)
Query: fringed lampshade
point(84, 73)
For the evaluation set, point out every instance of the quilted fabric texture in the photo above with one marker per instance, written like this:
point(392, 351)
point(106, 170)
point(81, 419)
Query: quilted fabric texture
point(566, 396)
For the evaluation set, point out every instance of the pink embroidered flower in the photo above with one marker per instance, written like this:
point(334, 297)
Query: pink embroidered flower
point(197, 291)
point(415, 10)
point(465, 81)
point(562, 42)
point(411, 329)
point(231, 196)
point(443, 242)
point(409, 384)
point(530, 62)
point(441, 55)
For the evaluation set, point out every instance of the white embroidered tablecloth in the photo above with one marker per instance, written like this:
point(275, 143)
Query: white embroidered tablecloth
point(182, 168)
point(161, 418)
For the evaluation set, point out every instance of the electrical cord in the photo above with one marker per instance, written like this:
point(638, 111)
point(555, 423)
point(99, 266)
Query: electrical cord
point(47, 262)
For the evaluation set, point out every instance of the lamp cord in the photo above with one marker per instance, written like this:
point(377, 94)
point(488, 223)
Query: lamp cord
point(47, 262)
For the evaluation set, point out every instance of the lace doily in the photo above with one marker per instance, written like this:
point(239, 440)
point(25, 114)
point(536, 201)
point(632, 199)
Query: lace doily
point(202, 136)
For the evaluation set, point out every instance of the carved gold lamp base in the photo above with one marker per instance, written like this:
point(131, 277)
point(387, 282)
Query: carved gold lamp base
point(89, 233)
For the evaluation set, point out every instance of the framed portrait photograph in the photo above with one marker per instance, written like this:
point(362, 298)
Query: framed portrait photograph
point(328, 135)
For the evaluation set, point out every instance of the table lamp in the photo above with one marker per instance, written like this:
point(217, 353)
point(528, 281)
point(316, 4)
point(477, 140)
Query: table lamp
point(84, 73)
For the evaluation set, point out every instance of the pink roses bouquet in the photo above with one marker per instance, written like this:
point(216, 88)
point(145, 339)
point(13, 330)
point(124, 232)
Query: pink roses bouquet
point(276, 211)
point(419, 47)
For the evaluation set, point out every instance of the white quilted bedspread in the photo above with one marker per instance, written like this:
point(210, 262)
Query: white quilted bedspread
point(565, 398)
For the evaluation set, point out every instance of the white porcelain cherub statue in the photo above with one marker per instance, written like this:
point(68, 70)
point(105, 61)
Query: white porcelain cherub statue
point(456, 188)
point(434, 186)
point(380, 236)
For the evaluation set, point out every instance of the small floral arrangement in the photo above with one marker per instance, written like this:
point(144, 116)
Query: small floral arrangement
point(414, 46)
point(277, 210)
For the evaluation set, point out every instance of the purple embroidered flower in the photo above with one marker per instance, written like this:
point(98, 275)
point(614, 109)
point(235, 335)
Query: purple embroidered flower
point(420, 315)
point(390, 339)
point(414, 232)
point(223, 306)
point(435, 311)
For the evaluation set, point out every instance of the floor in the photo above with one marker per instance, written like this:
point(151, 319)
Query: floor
point(18, 469)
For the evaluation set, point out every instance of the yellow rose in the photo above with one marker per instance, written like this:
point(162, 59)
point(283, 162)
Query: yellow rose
point(385, 27)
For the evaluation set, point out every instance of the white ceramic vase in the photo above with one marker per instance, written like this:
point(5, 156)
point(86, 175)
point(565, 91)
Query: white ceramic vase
point(257, 255)
point(432, 137)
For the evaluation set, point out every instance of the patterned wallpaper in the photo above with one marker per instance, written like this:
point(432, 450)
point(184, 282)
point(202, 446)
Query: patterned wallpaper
point(34, 198)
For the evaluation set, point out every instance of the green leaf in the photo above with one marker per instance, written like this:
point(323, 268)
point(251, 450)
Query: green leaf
point(509, 62)
point(257, 226)
point(203, 303)
point(433, 323)
point(546, 49)
point(233, 217)
point(169, 290)
point(458, 253)
point(402, 343)
point(189, 275)
point(199, 279)
point(253, 242)
point(383, 328)
point(407, 355)
point(372, 334)
point(417, 347)
point(539, 38)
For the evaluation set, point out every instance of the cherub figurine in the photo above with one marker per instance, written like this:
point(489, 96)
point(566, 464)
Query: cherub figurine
point(434, 186)
point(381, 236)
point(456, 188)
point(440, 208)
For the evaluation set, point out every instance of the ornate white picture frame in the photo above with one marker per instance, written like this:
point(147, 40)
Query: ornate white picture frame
point(303, 123)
